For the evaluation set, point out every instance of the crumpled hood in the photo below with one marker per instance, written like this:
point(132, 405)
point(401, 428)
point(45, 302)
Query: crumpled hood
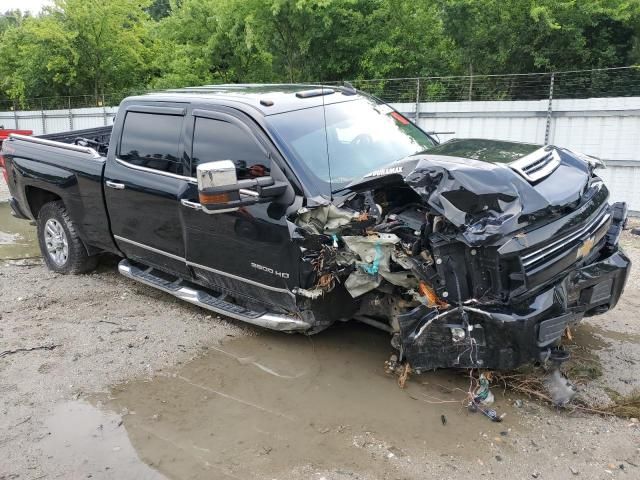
point(487, 199)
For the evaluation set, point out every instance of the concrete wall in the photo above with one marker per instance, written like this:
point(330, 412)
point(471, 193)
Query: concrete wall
point(605, 127)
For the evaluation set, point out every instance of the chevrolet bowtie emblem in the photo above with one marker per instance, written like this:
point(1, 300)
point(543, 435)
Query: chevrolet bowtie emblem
point(585, 248)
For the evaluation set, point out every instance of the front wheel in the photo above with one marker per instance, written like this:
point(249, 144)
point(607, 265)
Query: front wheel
point(61, 247)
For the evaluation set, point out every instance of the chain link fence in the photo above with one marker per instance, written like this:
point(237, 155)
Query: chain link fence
point(608, 82)
point(613, 82)
point(68, 102)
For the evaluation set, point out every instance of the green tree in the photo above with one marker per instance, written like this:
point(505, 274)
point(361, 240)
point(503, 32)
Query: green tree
point(111, 41)
point(261, 40)
point(96, 46)
point(76, 47)
point(182, 44)
point(159, 9)
point(407, 39)
point(10, 18)
point(520, 36)
point(38, 59)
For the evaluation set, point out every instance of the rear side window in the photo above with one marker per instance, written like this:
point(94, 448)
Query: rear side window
point(219, 140)
point(152, 140)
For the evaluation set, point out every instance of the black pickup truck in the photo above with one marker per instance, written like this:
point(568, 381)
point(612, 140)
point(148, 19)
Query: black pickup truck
point(293, 207)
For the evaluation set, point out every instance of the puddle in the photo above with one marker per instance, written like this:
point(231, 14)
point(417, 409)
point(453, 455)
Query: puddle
point(617, 336)
point(85, 442)
point(274, 405)
point(17, 237)
point(594, 337)
point(588, 337)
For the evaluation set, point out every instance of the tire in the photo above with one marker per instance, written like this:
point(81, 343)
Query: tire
point(61, 247)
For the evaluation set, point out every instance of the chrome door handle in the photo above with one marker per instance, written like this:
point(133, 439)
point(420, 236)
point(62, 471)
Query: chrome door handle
point(189, 204)
point(117, 186)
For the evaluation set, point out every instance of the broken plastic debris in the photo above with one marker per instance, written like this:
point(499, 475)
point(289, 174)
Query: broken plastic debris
point(373, 268)
point(374, 252)
point(325, 219)
point(488, 412)
point(483, 395)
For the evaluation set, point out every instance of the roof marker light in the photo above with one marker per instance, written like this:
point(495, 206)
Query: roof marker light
point(318, 92)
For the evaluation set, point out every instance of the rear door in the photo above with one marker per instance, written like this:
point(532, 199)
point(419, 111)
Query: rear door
point(145, 181)
point(247, 252)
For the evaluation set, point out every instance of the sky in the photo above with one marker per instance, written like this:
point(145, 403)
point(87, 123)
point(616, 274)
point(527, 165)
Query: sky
point(33, 6)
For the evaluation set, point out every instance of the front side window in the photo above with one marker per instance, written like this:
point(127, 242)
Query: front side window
point(152, 140)
point(215, 140)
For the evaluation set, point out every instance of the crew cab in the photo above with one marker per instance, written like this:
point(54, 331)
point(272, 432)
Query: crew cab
point(293, 207)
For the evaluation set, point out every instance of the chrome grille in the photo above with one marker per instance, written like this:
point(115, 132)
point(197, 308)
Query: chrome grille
point(537, 165)
point(561, 247)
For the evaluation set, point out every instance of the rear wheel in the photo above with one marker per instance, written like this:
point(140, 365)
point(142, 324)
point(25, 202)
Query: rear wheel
point(61, 247)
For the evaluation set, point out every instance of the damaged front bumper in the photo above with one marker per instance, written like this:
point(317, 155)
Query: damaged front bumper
point(472, 337)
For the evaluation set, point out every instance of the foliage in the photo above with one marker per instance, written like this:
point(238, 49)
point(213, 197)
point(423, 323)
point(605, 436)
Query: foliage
point(94, 46)
point(37, 57)
point(76, 46)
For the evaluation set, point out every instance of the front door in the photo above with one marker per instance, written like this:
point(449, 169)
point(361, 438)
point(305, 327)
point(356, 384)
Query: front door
point(144, 183)
point(247, 252)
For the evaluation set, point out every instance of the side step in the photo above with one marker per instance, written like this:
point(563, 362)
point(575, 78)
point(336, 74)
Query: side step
point(192, 294)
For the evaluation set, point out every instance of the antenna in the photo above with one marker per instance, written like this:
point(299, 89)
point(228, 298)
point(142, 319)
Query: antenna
point(326, 142)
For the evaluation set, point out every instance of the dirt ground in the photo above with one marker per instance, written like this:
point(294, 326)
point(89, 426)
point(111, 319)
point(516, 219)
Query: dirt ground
point(126, 382)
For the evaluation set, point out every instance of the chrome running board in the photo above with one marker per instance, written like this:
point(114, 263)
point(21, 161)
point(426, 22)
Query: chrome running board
point(190, 293)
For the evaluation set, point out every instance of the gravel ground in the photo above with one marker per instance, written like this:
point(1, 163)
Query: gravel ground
point(104, 330)
point(4, 191)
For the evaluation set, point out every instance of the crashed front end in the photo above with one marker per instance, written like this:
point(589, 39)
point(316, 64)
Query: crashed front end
point(467, 263)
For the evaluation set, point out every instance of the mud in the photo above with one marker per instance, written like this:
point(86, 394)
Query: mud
point(17, 237)
point(274, 403)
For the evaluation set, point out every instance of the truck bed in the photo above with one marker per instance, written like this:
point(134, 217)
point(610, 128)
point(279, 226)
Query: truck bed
point(68, 166)
point(96, 138)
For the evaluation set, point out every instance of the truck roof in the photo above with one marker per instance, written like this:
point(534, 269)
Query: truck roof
point(269, 99)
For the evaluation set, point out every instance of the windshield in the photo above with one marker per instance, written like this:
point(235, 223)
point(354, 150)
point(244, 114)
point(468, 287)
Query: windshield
point(361, 136)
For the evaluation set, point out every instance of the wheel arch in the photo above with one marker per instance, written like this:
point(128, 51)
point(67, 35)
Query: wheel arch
point(38, 197)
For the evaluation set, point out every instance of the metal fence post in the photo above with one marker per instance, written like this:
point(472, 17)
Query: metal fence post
point(547, 131)
point(42, 117)
point(15, 114)
point(104, 111)
point(417, 102)
point(70, 113)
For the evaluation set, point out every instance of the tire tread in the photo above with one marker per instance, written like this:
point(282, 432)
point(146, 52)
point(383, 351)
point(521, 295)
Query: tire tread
point(79, 261)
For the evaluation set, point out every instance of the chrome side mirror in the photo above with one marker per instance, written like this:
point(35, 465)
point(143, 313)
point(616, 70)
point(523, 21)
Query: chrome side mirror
point(217, 184)
point(220, 191)
point(216, 174)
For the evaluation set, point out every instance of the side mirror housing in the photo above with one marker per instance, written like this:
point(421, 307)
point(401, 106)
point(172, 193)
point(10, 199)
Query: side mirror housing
point(220, 190)
point(217, 184)
point(216, 174)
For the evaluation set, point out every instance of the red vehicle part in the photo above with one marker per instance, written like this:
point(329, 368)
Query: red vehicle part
point(4, 134)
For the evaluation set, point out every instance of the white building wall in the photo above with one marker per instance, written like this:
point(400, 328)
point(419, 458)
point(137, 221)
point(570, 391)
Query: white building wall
point(55, 121)
point(608, 128)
